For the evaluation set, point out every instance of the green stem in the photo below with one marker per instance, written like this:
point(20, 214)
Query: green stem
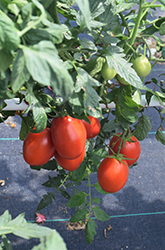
point(135, 29)
point(33, 24)
point(66, 177)
point(124, 22)
point(151, 6)
point(53, 11)
point(121, 141)
point(156, 59)
point(73, 49)
point(90, 197)
point(147, 7)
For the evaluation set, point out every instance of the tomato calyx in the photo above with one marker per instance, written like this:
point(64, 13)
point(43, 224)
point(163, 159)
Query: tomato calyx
point(119, 157)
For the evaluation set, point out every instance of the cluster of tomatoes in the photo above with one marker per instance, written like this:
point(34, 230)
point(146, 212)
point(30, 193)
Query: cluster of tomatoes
point(65, 140)
point(113, 171)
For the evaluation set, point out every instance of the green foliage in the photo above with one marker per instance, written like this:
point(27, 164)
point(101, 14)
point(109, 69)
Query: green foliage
point(20, 227)
point(90, 230)
point(38, 50)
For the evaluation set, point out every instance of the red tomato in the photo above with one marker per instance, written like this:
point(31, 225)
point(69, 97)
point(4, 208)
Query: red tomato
point(67, 164)
point(68, 136)
point(112, 174)
point(131, 149)
point(93, 128)
point(38, 148)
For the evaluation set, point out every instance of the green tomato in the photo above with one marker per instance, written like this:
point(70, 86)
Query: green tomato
point(141, 65)
point(107, 73)
point(122, 80)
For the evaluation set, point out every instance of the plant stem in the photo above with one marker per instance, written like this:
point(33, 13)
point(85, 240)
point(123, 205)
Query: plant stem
point(124, 22)
point(121, 141)
point(135, 29)
point(33, 24)
point(90, 198)
point(147, 7)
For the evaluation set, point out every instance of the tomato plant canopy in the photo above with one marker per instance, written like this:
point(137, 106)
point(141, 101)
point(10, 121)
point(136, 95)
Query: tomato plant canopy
point(53, 55)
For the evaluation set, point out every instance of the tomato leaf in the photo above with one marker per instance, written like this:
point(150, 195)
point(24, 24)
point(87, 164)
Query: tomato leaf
point(50, 241)
point(76, 102)
point(99, 189)
point(25, 127)
point(9, 38)
point(5, 93)
point(47, 200)
point(128, 108)
point(45, 67)
point(53, 182)
point(109, 126)
point(50, 165)
point(96, 200)
point(100, 214)
point(94, 65)
point(64, 193)
point(80, 215)
point(19, 73)
point(52, 31)
point(5, 244)
point(77, 200)
point(108, 18)
point(90, 230)
point(88, 44)
point(95, 156)
point(160, 136)
point(85, 11)
point(39, 114)
point(91, 98)
point(6, 59)
point(79, 173)
point(142, 127)
point(20, 227)
point(115, 59)
point(162, 29)
point(120, 7)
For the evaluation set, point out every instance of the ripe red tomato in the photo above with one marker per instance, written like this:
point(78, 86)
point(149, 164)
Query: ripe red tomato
point(112, 174)
point(141, 65)
point(67, 164)
point(69, 136)
point(92, 129)
point(131, 149)
point(38, 148)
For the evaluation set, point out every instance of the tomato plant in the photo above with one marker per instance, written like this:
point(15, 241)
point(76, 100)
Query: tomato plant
point(38, 148)
point(68, 136)
point(67, 164)
point(93, 128)
point(141, 65)
point(112, 174)
point(107, 73)
point(130, 148)
point(59, 57)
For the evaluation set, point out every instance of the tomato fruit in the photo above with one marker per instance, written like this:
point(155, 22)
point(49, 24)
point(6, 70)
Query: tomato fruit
point(38, 148)
point(141, 65)
point(107, 73)
point(93, 128)
point(67, 164)
point(122, 80)
point(131, 149)
point(112, 174)
point(69, 136)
